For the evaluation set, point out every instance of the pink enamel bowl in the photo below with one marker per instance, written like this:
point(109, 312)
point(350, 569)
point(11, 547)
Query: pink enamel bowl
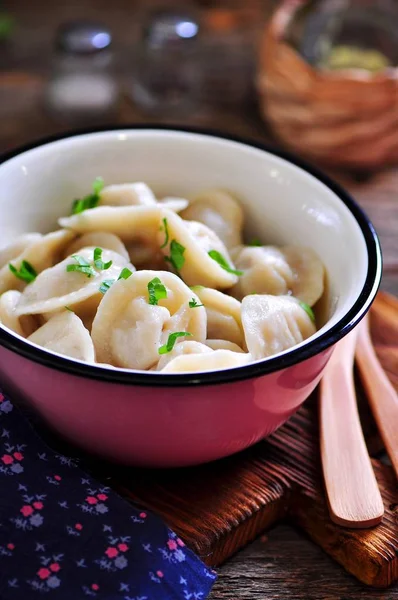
point(153, 419)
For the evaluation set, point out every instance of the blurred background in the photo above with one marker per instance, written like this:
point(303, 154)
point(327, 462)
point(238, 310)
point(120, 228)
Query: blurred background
point(316, 77)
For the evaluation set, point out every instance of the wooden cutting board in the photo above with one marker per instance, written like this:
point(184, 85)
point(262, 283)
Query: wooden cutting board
point(220, 507)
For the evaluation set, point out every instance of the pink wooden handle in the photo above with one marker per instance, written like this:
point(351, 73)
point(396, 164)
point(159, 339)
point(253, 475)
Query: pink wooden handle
point(381, 395)
point(352, 490)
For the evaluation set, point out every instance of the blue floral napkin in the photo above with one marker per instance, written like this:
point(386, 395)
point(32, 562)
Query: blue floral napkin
point(64, 535)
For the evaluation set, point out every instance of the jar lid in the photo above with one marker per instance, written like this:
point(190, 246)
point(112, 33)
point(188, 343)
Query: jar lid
point(163, 27)
point(82, 37)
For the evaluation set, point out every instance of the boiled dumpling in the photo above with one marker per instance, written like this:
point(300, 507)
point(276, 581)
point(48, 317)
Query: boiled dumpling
point(97, 239)
point(128, 331)
point(187, 244)
point(24, 325)
point(137, 194)
point(213, 361)
point(15, 248)
point(218, 210)
point(181, 349)
point(41, 254)
point(223, 315)
point(65, 334)
point(273, 324)
point(309, 273)
point(292, 270)
point(56, 288)
point(223, 345)
point(265, 271)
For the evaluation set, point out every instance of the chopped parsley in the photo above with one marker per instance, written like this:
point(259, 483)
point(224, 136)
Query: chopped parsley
point(197, 287)
point(68, 308)
point(308, 310)
point(26, 271)
point(156, 291)
point(107, 283)
point(91, 200)
point(98, 262)
point(176, 257)
point(82, 266)
point(166, 233)
point(125, 273)
point(220, 259)
point(168, 347)
point(193, 303)
point(255, 242)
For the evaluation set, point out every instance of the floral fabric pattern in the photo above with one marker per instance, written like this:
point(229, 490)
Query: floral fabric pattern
point(64, 535)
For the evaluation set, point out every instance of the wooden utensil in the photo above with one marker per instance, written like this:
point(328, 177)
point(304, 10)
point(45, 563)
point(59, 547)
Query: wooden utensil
point(381, 395)
point(353, 494)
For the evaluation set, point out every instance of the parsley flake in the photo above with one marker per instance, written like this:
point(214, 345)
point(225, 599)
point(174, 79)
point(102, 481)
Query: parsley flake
point(26, 271)
point(82, 266)
point(308, 310)
point(98, 262)
point(156, 291)
point(255, 242)
point(166, 233)
point(68, 308)
point(176, 257)
point(193, 303)
point(91, 200)
point(105, 285)
point(168, 347)
point(125, 273)
point(220, 259)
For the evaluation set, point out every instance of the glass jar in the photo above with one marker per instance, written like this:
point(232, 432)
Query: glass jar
point(82, 88)
point(166, 74)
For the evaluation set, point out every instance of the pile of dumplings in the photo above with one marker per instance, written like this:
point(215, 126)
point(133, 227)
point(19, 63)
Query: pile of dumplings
point(133, 282)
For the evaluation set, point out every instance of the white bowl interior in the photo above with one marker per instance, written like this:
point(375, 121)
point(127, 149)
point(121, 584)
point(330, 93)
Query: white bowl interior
point(283, 203)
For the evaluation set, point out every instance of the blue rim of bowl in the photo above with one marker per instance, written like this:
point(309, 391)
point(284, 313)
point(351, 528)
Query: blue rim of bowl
point(250, 371)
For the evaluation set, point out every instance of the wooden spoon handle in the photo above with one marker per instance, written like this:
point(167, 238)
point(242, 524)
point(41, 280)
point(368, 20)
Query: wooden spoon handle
point(352, 490)
point(381, 395)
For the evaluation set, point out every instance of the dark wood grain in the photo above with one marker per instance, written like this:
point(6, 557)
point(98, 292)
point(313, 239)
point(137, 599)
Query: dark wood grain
point(286, 564)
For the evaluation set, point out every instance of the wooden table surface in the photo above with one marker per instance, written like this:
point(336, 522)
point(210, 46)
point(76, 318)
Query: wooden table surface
point(284, 564)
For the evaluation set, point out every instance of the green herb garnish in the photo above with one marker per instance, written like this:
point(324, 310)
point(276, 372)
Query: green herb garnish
point(26, 271)
point(68, 308)
point(156, 291)
point(197, 287)
point(168, 347)
point(98, 262)
point(308, 310)
point(176, 257)
point(166, 232)
point(255, 242)
point(82, 266)
point(193, 303)
point(90, 201)
point(219, 258)
point(125, 273)
point(105, 285)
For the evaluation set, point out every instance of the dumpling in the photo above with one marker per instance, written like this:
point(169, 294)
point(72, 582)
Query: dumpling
point(223, 315)
point(292, 270)
point(309, 273)
point(41, 254)
point(218, 210)
point(24, 325)
point(129, 223)
point(16, 247)
point(223, 345)
point(273, 324)
point(55, 288)
point(214, 361)
point(97, 239)
point(181, 349)
point(65, 334)
point(187, 244)
point(128, 331)
point(137, 194)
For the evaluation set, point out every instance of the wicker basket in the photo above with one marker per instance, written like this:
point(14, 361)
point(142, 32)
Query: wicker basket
point(343, 118)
